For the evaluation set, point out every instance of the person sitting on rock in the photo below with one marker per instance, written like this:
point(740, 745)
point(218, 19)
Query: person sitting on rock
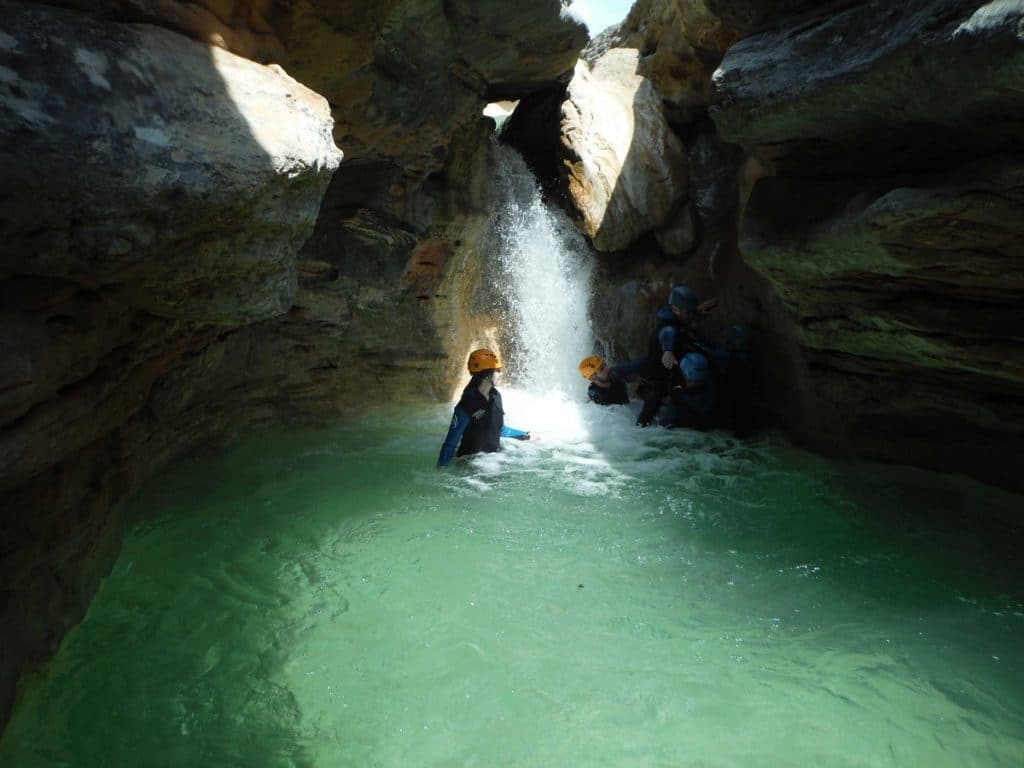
point(679, 336)
point(478, 422)
point(694, 397)
point(607, 387)
point(673, 337)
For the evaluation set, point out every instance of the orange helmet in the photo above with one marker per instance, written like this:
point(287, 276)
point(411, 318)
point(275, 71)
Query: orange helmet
point(590, 365)
point(483, 360)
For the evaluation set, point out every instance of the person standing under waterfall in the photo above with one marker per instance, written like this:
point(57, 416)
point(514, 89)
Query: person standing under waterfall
point(478, 423)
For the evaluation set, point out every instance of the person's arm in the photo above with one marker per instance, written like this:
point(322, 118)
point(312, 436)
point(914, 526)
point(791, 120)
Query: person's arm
point(667, 338)
point(460, 420)
point(518, 434)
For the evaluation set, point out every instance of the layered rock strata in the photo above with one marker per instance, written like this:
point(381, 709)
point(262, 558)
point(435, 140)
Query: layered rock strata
point(156, 193)
point(887, 217)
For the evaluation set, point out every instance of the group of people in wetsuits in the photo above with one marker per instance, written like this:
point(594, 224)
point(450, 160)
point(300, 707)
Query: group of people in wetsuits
point(683, 381)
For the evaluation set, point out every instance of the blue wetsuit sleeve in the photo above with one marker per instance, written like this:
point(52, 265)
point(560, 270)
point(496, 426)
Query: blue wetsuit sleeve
point(460, 420)
point(510, 432)
point(666, 337)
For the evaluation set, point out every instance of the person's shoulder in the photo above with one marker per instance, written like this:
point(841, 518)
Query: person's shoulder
point(469, 395)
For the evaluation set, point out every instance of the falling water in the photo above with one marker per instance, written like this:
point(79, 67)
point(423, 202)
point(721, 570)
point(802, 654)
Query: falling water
point(545, 272)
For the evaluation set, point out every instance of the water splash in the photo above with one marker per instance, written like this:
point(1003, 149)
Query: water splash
point(544, 277)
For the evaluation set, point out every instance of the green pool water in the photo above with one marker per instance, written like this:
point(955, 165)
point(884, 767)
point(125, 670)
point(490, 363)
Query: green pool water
point(599, 596)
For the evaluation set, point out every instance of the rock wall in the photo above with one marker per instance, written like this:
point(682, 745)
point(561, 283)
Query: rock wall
point(153, 204)
point(886, 215)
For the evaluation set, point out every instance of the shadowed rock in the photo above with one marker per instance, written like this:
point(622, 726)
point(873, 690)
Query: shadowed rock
point(886, 216)
point(138, 157)
point(877, 87)
point(404, 76)
point(156, 192)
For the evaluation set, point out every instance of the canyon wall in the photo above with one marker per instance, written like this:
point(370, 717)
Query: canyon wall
point(885, 213)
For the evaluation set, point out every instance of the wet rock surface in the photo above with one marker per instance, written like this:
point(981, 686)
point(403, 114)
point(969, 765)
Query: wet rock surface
point(887, 142)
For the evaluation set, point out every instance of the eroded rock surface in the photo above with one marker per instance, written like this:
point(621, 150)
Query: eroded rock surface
point(408, 75)
point(186, 172)
point(249, 28)
point(887, 142)
point(156, 192)
point(626, 169)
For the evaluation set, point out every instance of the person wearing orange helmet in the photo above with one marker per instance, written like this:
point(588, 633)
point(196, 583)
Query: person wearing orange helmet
point(606, 385)
point(478, 423)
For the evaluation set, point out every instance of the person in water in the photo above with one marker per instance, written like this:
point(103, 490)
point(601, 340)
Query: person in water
point(607, 387)
point(479, 419)
point(694, 397)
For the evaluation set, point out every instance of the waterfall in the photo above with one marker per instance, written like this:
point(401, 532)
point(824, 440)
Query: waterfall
point(543, 271)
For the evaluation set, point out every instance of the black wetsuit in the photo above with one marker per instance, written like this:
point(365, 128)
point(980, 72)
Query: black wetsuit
point(615, 393)
point(477, 425)
point(486, 418)
point(669, 335)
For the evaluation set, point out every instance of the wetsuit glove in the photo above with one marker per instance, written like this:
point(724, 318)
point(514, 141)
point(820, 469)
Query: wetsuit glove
point(524, 436)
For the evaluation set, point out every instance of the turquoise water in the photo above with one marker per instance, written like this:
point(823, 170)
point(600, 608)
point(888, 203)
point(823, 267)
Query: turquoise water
point(599, 596)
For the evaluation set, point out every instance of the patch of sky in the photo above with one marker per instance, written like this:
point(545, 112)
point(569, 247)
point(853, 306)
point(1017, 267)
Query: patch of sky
point(598, 15)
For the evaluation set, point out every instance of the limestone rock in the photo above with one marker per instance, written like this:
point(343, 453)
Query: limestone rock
point(681, 42)
point(244, 27)
point(156, 192)
point(627, 170)
point(951, 243)
point(901, 86)
point(404, 76)
point(135, 156)
point(885, 212)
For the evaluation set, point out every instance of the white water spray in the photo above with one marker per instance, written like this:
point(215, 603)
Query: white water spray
point(545, 273)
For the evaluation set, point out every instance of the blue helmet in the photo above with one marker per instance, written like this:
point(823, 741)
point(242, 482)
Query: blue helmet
point(684, 298)
point(694, 367)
